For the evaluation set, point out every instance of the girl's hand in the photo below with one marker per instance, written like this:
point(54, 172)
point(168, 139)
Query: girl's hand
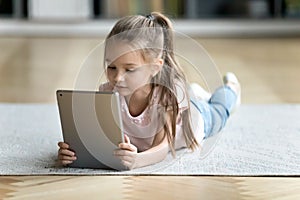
point(65, 156)
point(127, 153)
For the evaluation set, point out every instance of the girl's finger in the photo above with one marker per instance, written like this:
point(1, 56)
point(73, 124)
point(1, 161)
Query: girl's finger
point(67, 158)
point(120, 153)
point(127, 146)
point(125, 158)
point(127, 164)
point(127, 139)
point(66, 152)
point(63, 145)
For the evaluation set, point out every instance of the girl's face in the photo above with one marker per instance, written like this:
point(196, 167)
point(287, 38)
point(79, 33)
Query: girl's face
point(129, 72)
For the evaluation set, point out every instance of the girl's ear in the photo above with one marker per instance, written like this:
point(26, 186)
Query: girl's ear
point(158, 64)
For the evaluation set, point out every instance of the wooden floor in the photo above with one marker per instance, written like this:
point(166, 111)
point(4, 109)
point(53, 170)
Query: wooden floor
point(31, 69)
point(148, 187)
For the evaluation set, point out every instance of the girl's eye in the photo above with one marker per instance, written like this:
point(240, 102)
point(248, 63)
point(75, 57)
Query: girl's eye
point(130, 70)
point(111, 67)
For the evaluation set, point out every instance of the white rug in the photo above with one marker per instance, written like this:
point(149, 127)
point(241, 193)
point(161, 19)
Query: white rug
point(259, 140)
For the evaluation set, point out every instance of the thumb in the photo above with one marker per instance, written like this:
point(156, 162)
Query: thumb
point(127, 140)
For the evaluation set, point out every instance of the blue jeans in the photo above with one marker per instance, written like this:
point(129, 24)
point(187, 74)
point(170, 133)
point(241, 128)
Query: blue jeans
point(216, 111)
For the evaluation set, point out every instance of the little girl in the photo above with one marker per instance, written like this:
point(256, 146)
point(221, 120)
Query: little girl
point(155, 98)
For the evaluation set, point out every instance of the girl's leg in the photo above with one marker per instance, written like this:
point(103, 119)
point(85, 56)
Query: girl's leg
point(199, 92)
point(223, 101)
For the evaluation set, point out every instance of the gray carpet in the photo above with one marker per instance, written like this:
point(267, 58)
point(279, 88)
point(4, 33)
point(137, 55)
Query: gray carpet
point(259, 140)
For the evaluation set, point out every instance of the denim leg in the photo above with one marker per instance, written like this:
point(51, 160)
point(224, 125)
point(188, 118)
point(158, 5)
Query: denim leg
point(217, 110)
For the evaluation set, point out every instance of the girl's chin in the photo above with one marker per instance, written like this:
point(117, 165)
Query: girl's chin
point(122, 91)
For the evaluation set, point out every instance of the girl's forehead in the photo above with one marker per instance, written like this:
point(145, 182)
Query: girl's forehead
point(128, 56)
point(116, 50)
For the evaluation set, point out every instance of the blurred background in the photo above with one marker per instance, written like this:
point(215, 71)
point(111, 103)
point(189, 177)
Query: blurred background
point(187, 9)
point(44, 42)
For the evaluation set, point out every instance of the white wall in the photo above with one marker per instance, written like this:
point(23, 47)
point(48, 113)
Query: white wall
point(59, 9)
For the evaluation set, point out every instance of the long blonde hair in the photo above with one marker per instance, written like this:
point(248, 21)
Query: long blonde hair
point(135, 30)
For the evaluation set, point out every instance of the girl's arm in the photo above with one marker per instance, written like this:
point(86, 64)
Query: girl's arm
point(132, 159)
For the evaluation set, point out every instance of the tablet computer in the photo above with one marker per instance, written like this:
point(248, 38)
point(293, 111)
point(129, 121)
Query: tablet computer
point(92, 125)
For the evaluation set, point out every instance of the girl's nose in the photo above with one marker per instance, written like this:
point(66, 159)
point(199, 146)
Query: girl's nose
point(119, 76)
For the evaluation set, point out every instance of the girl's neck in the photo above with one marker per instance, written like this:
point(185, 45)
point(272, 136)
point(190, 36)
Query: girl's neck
point(138, 101)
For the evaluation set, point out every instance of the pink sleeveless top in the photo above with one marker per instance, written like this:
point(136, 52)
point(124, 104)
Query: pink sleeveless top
point(142, 129)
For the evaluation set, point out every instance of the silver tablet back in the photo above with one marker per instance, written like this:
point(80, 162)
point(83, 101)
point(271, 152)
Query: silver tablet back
point(92, 126)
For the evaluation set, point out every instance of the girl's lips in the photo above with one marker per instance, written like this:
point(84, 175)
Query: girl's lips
point(119, 86)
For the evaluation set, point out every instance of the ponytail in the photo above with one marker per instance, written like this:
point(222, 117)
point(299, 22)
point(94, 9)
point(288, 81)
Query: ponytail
point(175, 73)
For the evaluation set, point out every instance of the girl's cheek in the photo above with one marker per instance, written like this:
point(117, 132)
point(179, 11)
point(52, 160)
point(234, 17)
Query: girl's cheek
point(110, 77)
